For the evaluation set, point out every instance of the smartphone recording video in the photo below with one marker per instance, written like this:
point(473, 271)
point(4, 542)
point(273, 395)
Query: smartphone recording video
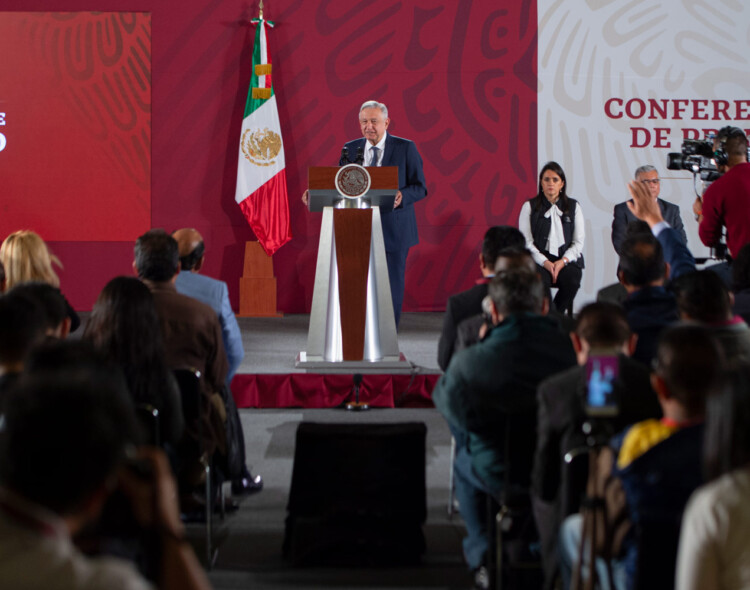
point(602, 372)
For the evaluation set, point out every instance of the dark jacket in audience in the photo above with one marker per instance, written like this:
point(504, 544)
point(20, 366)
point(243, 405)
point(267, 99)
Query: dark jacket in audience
point(561, 399)
point(649, 310)
point(458, 308)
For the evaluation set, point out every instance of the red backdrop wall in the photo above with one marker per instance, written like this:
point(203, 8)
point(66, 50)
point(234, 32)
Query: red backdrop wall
point(458, 78)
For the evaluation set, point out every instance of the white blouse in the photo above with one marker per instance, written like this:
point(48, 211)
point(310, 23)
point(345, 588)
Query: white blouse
point(576, 246)
point(714, 549)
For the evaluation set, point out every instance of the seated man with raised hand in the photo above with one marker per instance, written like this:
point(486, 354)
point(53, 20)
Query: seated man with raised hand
point(486, 384)
point(656, 464)
point(79, 424)
point(601, 329)
point(468, 303)
point(646, 175)
point(646, 263)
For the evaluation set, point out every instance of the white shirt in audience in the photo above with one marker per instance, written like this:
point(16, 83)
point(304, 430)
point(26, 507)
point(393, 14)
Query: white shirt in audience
point(715, 538)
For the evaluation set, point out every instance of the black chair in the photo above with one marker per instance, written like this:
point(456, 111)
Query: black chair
point(512, 560)
point(148, 419)
point(357, 495)
point(658, 540)
point(189, 382)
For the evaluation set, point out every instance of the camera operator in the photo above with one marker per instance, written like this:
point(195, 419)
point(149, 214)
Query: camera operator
point(725, 202)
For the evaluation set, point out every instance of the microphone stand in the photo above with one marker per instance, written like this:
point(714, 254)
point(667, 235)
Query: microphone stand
point(356, 405)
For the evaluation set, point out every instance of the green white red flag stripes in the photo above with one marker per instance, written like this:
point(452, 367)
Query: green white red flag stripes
point(261, 175)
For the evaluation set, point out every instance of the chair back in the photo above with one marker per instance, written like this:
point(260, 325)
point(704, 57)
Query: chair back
point(357, 494)
point(148, 419)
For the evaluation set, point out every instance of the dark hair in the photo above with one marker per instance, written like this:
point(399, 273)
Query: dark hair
point(702, 296)
point(516, 291)
point(636, 228)
point(741, 269)
point(603, 325)
point(691, 363)
point(124, 327)
point(189, 261)
point(540, 199)
point(500, 237)
point(733, 141)
point(49, 300)
point(641, 260)
point(22, 325)
point(156, 256)
point(66, 430)
point(727, 441)
point(515, 258)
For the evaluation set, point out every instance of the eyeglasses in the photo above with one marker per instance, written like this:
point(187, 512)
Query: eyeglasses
point(651, 180)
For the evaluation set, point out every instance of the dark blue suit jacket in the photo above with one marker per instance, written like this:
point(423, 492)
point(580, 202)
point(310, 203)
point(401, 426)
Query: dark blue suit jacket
point(669, 211)
point(400, 224)
point(676, 253)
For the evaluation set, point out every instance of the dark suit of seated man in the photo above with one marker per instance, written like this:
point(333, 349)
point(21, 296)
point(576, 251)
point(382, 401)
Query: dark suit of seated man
point(490, 381)
point(468, 303)
point(400, 224)
point(623, 216)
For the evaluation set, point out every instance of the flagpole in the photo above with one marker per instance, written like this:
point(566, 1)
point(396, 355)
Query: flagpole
point(261, 190)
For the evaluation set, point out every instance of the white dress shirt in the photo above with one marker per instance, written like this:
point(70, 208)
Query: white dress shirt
point(368, 151)
point(576, 245)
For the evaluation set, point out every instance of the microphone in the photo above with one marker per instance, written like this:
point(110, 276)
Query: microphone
point(360, 159)
point(344, 160)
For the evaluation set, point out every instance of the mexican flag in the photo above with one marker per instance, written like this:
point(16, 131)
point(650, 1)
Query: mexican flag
point(261, 175)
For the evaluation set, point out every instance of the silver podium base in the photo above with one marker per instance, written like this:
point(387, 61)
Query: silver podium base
point(385, 365)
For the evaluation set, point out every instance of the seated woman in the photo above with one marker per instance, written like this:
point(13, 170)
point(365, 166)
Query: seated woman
point(124, 328)
point(25, 257)
point(714, 550)
point(552, 223)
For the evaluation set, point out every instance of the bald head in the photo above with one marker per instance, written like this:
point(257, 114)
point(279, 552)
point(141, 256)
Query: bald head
point(191, 248)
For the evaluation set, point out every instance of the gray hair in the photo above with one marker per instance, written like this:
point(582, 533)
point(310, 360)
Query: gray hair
point(644, 169)
point(374, 104)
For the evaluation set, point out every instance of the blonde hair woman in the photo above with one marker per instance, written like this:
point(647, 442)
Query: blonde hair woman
point(26, 257)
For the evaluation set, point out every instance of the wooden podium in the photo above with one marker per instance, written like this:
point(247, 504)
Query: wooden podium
point(352, 325)
point(257, 284)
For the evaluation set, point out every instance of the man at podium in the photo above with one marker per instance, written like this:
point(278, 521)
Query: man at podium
point(378, 148)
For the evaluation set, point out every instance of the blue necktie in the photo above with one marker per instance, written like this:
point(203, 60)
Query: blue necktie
point(374, 160)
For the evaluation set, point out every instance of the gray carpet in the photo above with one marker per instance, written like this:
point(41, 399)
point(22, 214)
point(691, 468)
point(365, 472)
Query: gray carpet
point(250, 551)
point(272, 344)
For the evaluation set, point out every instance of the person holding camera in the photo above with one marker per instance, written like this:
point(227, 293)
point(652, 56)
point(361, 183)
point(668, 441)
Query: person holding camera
point(725, 202)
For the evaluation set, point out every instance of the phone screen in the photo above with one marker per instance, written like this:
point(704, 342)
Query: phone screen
point(601, 373)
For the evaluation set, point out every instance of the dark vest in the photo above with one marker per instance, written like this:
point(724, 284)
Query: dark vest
point(540, 228)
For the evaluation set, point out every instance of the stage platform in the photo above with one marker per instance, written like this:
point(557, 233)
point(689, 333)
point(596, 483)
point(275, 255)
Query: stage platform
point(268, 378)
